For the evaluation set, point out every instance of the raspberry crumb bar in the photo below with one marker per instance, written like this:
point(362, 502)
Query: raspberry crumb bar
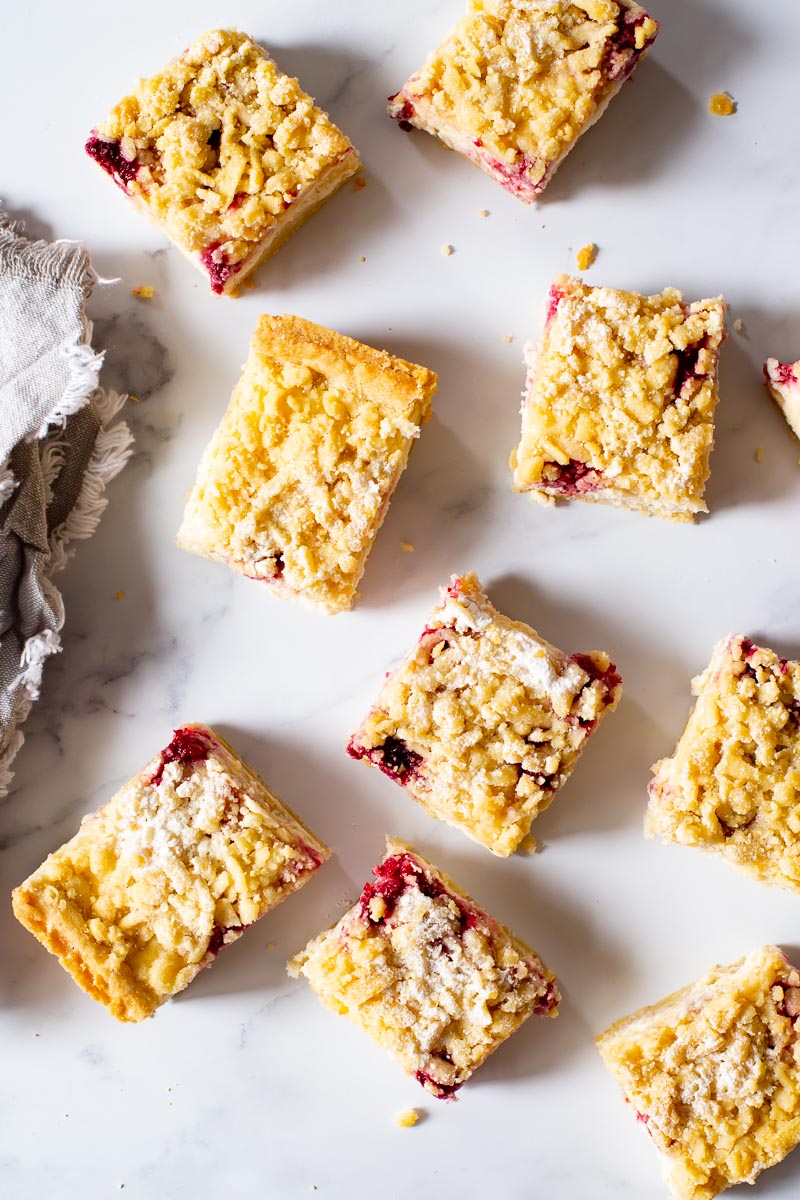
point(483, 721)
point(187, 854)
point(620, 398)
point(224, 153)
point(713, 1073)
point(297, 480)
point(733, 784)
point(518, 81)
point(426, 973)
point(783, 383)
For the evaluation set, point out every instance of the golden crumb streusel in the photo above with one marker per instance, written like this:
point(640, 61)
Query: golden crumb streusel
point(518, 81)
point(620, 400)
point(586, 256)
point(422, 969)
point(184, 857)
point(224, 152)
point(713, 1073)
point(722, 105)
point(733, 784)
point(484, 721)
point(296, 481)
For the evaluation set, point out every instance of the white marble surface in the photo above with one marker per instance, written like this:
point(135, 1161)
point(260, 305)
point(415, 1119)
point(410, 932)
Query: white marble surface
point(245, 1084)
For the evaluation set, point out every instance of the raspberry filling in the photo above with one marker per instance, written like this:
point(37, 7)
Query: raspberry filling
point(442, 1091)
point(403, 114)
point(218, 268)
point(187, 746)
point(394, 757)
point(217, 939)
point(571, 479)
point(514, 178)
point(399, 874)
point(610, 678)
point(554, 298)
point(687, 364)
point(623, 53)
point(108, 155)
point(782, 374)
point(789, 1005)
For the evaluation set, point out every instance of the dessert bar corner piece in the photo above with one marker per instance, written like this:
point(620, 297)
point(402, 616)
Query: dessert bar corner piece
point(224, 153)
point(732, 785)
point(184, 857)
point(619, 400)
point(422, 969)
point(296, 481)
point(484, 721)
point(783, 383)
point(517, 82)
point(713, 1073)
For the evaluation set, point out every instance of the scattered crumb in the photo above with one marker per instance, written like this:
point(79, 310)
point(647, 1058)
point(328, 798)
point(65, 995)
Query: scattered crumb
point(37, 1035)
point(541, 226)
point(759, 455)
point(233, 293)
point(145, 292)
point(738, 325)
point(586, 256)
point(508, 338)
point(721, 104)
point(133, 399)
point(406, 546)
point(528, 844)
point(448, 250)
point(271, 945)
point(249, 283)
point(484, 212)
point(362, 259)
point(409, 1116)
point(360, 183)
point(119, 596)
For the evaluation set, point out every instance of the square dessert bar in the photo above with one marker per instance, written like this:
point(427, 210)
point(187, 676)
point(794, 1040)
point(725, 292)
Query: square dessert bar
point(713, 1073)
point(422, 969)
point(783, 383)
point(224, 153)
point(177, 865)
point(619, 400)
point(518, 81)
point(296, 481)
point(733, 784)
point(483, 721)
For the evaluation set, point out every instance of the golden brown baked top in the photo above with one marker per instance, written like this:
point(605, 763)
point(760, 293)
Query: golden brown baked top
point(483, 721)
point(521, 79)
point(423, 970)
point(296, 481)
point(217, 146)
point(620, 398)
point(733, 783)
point(713, 1073)
point(184, 857)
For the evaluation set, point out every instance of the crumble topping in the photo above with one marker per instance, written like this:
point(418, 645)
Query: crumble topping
point(407, 1119)
point(187, 855)
point(586, 256)
point(431, 977)
point(713, 1073)
point(722, 105)
point(297, 479)
point(517, 81)
point(620, 399)
point(484, 721)
point(217, 146)
point(733, 784)
point(782, 385)
point(143, 292)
